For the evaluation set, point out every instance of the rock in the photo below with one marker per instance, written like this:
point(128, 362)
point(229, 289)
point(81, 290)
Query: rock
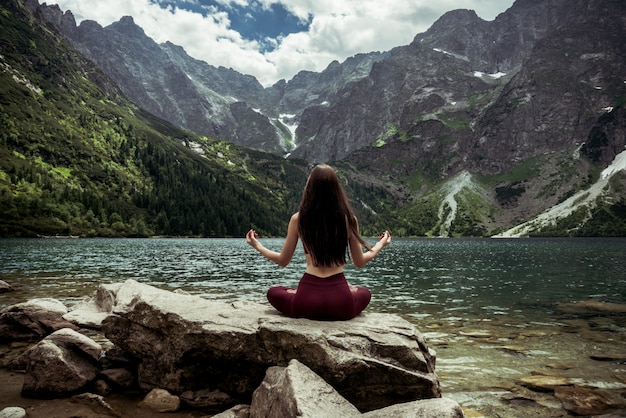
point(617, 357)
point(427, 408)
point(102, 387)
point(96, 403)
point(91, 312)
point(206, 399)
point(583, 401)
point(5, 287)
point(544, 383)
point(591, 307)
point(237, 411)
point(296, 391)
point(476, 333)
point(374, 360)
point(120, 378)
point(32, 320)
point(61, 364)
point(160, 400)
point(13, 412)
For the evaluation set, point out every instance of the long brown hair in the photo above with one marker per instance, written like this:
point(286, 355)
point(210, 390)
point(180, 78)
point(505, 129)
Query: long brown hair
point(325, 219)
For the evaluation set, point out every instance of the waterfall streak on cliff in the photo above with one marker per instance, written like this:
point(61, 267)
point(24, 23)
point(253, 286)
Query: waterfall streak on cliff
point(582, 198)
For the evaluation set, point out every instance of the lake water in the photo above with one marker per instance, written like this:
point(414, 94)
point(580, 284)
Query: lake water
point(495, 310)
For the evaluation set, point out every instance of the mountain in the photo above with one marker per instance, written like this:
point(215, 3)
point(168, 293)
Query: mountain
point(471, 129)
point(78, 158)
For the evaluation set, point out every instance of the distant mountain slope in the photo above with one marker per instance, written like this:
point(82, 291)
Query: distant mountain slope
point(77, 158)
point(471, 129)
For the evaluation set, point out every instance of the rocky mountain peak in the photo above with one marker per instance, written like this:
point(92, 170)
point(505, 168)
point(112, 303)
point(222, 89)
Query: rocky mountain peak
point(466, 95)
point(127, 26)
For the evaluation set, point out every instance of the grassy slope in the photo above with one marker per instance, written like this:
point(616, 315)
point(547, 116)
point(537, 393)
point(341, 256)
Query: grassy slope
point(77, 160)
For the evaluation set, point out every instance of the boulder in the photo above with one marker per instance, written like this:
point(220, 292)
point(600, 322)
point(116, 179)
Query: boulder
point(160, 400)
point(296, 391)
point(91, 312)
point(237, 411)
point(61, 364)
point(33, 320)
point(5, 287)
point(184, 342)
point(427, 408)
point(119, 378)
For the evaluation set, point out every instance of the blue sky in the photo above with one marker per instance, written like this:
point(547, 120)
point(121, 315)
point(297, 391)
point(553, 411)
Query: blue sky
point(274, 39)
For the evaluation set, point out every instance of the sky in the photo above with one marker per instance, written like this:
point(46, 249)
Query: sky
point(275, 39)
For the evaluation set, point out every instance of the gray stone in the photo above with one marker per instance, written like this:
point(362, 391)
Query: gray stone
point(33, 320)
point(427, 408)
point(237, 411)
point(374, 360)
point(160, 400)
point(296, 391)
point(91, 312)
point(96, 403)
point(5, 287)
point(61, 364)
point(13, 412)
point(206, 399)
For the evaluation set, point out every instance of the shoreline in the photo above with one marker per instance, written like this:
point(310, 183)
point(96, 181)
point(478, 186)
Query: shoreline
point(484, 365)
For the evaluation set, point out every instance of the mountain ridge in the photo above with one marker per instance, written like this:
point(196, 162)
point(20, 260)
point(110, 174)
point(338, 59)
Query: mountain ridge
point(78, 158)
point(520, 103)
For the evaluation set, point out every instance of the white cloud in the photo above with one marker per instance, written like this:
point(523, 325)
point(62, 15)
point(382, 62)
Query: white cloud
point(338, 30)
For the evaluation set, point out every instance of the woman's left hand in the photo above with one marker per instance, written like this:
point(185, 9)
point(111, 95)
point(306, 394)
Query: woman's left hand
point(251, 238)
point(385, 238)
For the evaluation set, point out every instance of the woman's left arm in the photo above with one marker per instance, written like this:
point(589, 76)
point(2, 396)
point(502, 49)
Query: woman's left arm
point(360, 258)
point(282, 258)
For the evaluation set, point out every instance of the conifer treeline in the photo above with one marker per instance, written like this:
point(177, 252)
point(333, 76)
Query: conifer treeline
point(78, 159)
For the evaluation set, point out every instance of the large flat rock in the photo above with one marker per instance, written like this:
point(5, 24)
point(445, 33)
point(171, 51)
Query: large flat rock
point(184, 342)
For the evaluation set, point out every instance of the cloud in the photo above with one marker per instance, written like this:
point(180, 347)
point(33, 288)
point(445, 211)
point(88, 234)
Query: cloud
point(318, 32)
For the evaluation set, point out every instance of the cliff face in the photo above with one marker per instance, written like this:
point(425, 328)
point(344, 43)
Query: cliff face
point(495, 83)
point(530, 103)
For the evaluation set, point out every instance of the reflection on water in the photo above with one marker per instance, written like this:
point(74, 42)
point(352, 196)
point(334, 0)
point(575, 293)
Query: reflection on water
point(489, 307)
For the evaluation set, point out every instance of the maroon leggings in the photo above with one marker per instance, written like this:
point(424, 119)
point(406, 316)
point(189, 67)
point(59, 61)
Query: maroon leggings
point(328, 298)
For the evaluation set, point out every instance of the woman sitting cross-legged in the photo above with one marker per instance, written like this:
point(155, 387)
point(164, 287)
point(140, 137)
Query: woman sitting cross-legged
point(327, 227)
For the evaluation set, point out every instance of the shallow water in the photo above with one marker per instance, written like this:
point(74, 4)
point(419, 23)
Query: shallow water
point(493, 309)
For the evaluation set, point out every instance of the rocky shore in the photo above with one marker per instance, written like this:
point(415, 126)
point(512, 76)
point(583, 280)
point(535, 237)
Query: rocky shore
point(571, 364)
point(172, 352)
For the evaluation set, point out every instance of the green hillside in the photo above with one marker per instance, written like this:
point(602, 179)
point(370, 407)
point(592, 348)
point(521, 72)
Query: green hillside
point(77, 158)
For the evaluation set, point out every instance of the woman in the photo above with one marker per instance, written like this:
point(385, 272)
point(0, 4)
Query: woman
point(327, 227)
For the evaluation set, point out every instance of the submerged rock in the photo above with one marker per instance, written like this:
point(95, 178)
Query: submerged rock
point(591, 307)
point(589, 402)
point(185, 342)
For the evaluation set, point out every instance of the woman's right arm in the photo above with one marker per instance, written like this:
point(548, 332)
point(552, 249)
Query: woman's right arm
point(282, 258)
